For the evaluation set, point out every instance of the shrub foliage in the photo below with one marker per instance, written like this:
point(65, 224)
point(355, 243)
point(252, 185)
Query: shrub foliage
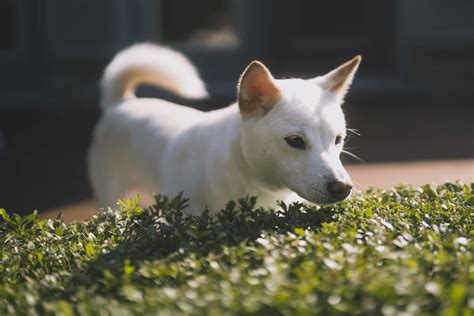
point(382, 252)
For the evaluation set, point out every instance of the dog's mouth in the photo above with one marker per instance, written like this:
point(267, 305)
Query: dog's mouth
point(324, 197)
point(329, 201)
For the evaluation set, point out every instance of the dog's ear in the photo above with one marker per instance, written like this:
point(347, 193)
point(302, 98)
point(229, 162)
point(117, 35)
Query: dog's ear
point(339, 80)
point(257, 92)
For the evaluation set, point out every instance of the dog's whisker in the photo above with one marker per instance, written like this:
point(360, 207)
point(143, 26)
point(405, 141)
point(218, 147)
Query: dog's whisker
point(353, 131)
point(351, 148)
point(353, 155)
point(357, 185)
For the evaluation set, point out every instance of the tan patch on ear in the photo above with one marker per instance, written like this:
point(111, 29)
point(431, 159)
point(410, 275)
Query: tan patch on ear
point(339, 80)
point(257, 89)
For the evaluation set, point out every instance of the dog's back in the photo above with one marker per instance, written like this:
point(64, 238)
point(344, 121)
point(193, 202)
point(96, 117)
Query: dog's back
point(129, 125)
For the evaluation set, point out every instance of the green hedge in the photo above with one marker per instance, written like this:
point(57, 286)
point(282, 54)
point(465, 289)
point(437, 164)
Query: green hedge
point(382, 252)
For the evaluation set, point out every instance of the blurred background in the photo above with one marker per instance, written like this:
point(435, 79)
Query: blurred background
point(412, 100)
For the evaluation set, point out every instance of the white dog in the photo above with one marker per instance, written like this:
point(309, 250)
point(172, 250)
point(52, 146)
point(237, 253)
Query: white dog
point(282, 136)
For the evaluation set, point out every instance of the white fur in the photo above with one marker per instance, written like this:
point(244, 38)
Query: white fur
point(152, 64)
point(216, 156)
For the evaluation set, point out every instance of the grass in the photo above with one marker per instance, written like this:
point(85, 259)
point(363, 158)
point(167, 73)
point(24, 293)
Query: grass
point(402, 251)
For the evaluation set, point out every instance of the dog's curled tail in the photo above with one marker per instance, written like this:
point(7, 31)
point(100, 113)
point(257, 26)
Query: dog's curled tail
point(149, 64)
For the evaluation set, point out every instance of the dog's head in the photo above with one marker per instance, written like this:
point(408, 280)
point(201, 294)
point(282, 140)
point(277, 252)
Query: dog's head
point(293, 130)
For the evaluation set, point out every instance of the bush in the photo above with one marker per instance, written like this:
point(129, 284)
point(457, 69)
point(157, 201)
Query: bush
point(382, 252)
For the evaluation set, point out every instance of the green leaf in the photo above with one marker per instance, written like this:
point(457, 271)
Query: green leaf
point(300, 232)
point(369, 212)
point(90, 250)
point(4, 215)
point(470, 201)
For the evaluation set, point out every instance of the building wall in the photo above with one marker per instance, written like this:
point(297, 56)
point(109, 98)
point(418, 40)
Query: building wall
point(52, 52)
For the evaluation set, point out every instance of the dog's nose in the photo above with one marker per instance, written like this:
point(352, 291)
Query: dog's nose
point(339, 190)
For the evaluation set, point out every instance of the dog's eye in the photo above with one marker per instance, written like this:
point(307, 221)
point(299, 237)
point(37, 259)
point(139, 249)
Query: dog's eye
point(296, 142)
point(338, 139)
